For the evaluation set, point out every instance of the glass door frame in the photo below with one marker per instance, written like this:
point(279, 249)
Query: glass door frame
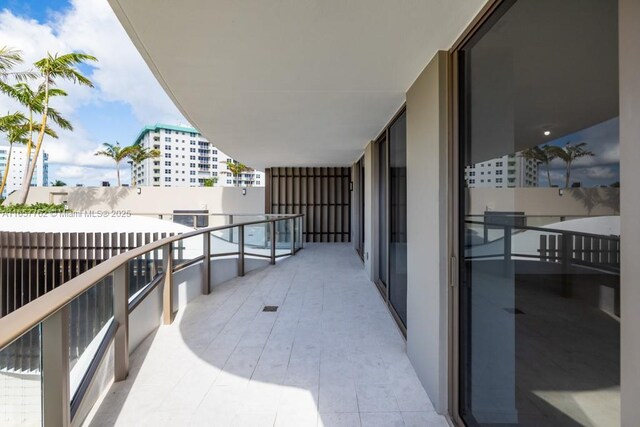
point(382, 287)
point(456, 217)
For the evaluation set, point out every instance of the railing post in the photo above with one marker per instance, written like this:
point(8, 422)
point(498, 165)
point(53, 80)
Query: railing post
point(301, 232)
point(272, 234)
point(241, 250)
point(507, 242)
point(292, 225)
point(167, 292)
point(206, 263)
point(121, 317)
point(567, 249)
point(56, 406)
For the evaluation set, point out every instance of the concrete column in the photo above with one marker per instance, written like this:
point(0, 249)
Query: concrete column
point(427, 245)
point(629, 22)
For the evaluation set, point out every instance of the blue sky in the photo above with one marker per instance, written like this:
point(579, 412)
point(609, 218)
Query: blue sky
point(40, 10)
point(126, 96)
point(603, 139)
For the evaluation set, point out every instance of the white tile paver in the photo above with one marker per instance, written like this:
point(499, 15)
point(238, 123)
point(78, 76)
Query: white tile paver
point(331, 356)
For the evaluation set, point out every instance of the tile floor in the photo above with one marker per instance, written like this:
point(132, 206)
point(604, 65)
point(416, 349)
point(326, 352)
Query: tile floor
point(330, 356)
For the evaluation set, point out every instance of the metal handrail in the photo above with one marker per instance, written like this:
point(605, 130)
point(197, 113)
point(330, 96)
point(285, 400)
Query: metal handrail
point(19, 322)
point(544, 229)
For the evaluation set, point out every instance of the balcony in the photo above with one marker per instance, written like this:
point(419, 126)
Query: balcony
point(330, 353)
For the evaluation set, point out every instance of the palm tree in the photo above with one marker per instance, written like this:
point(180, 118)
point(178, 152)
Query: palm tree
point(236, 168)
point(544, 154)
point(51, 68)
point(16, 126)
point(568, 154)
point(9, 125)
point(139, 154)
point(9, 58)
point(58, 183)
point(34, 102)
point(115, 153)
point(210, 182)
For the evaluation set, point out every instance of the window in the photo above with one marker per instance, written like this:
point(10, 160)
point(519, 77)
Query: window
point(168, 171)
point(499, 172)
point(167, 179)
point(192, 172)
point(498, 180)
point(167, 139)
point(167, 147)
point(167, 155)
point(228, 181)
point(167, 163)
point(498, 164)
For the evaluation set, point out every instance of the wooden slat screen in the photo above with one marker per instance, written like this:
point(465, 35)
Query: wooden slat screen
point(322, 194)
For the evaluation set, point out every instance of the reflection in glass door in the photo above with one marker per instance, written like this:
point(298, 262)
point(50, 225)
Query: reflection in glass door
point(382, 278)
point(398, 217)
point(539, 201)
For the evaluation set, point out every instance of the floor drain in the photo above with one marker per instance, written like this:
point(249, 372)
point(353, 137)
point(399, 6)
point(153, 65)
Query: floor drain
point(270, 308)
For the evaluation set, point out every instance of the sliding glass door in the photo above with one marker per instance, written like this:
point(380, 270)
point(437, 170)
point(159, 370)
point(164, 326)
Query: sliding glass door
point(398, 217)
point(391, 162)
point(539, 206)
point(382, 278)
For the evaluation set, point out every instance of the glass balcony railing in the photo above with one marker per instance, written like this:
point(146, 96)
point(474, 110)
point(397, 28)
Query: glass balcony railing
point(52, 350)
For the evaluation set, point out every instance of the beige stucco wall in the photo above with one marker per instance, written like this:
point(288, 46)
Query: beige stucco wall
point(545, 201)
point(427, 256)
point(630, 208)
point(152, 200)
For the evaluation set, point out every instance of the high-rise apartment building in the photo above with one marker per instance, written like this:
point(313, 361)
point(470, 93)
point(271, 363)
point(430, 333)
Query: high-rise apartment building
point(18, 166)
point(186, 159)
point(508, 171)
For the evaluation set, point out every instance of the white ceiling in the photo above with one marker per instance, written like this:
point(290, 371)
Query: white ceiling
point(291, 82)
point(545, 65)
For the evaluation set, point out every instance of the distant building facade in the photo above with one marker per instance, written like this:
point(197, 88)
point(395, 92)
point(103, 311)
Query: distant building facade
point(18, 166)
point(186, 159)
point(508, 171)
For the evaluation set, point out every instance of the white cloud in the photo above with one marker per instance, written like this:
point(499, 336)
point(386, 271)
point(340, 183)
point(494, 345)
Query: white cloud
point(90, 176)
point(121, 75)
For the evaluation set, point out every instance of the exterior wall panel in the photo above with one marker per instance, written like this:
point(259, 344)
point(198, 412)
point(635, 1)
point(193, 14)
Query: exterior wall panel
point(321, 194)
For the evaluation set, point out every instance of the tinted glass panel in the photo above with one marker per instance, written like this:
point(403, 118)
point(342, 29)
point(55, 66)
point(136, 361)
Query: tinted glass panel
point(540, 288)
point(398, 216)
point(383, 228)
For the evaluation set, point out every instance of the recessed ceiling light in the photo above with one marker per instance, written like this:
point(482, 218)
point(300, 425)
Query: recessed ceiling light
point(547, 132)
